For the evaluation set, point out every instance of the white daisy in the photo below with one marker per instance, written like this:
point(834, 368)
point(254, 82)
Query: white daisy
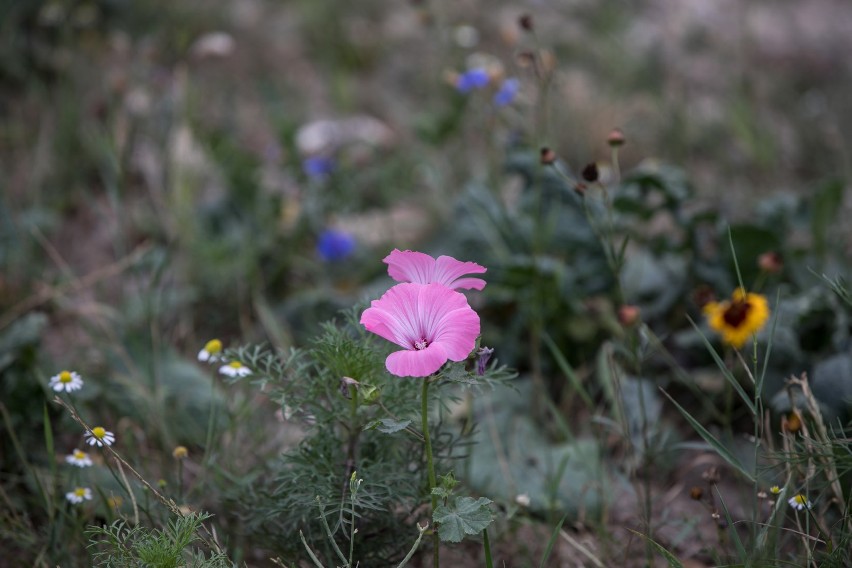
point(79, 495)
point(799, 502)
point(235, 369)
point(66, 381)
point(99, 437)
point(212, 351)
point(79, 458)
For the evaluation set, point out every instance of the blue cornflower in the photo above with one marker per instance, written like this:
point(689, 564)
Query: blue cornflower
point(318, 167)
point(507, 92)
point(473, 79)
point(335, 245)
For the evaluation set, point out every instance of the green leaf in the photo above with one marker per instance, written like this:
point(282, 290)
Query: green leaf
point(466, 516)
point(387, 425)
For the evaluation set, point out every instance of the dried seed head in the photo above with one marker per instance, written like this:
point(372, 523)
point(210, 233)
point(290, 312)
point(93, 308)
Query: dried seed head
point(696, 493)
point(590, 173)
point(792, 422)
point(615, 138)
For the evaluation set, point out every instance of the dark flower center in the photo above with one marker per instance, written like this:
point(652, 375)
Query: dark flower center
point(736, 313)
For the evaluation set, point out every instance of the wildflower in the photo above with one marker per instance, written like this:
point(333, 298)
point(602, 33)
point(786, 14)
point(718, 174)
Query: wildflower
point(212, 351)
point(180, 452)
point(430, 321)
point(523, 500)
point(66, 381)
point(420, 268)
point(775, 490)
point(318, 167)
point(335, 245)
point(739, 318)
point(79, 495)
point(799, 502)
point(235, 369)
point(100, 437)
point(476, 78)
point(78, 458)
point(507, 92)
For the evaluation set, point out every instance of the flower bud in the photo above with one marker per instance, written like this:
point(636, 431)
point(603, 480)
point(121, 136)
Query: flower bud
point(370, 394)
point(770, 262)
point(628, 315)
point(180, 452)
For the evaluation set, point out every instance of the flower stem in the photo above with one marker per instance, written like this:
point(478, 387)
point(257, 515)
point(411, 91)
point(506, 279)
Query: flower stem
point(424, 417)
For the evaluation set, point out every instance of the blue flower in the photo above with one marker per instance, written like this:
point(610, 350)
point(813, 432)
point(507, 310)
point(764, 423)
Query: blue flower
point(474, 79)
point(318, 167)
point(507, 92)
point(335, 245)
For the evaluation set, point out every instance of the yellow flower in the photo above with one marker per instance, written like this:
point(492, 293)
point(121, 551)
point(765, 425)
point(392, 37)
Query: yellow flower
point(739, 318)
point(799, 502)
point(775, 490)
point(180, 452)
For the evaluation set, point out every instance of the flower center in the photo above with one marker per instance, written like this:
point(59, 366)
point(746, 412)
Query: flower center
point(98, 432)
point(737, 313)
point(79, 455)
point(80, 492)
point(800, 499)
point(235, 364)
point(213, 346)
point(421, 344)
point(65, 377)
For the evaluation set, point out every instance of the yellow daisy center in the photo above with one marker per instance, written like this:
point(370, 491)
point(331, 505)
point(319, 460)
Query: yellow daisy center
point(235, 365)
point(79, 455)
point(80, 492)
point(98, 432)
point(775, 490)
point(65, 377)
point(800, 499)
point(213, 346)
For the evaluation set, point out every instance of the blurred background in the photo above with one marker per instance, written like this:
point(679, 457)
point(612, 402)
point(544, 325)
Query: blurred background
point(175, 171)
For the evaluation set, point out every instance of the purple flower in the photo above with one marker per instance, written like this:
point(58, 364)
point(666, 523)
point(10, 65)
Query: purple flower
point(507, 92)
point(473, 79)
point(483, 355)
point(431, 322)
point(318, 167)
point(335, 245)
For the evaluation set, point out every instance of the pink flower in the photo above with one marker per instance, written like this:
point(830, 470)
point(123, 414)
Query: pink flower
point(431, 322)
point(420, 268)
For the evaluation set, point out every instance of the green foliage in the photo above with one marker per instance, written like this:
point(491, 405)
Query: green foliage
point(345, 431)
point(462, 516)
point(175, 545)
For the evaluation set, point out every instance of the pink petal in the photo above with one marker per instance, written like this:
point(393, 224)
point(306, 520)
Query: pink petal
point(413, 363)
point(409, 312)
point(410, 266)
point(448, 271)
point(420, 268)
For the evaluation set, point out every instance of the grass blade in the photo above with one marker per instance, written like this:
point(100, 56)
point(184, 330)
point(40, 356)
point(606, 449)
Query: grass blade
point(549, 548)
point(724, 452)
